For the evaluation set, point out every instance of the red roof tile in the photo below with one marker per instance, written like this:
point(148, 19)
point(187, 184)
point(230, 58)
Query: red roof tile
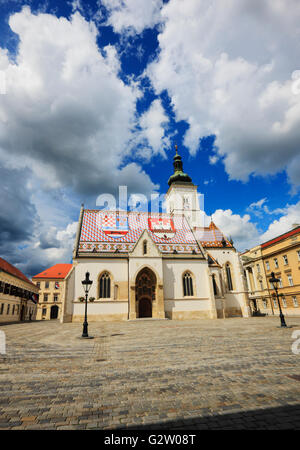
point(59, 271)
point(211, 236)
point(12, 270)
point(110, 232)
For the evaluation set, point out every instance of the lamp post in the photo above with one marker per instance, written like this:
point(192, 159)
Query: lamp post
point(87, 283)
point(274, 282)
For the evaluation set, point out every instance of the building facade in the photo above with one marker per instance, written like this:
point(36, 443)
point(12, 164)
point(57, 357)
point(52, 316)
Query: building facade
point(280, 255)
point(18, 295)
point(159, 265)
point(52, 284)
point(258, 288)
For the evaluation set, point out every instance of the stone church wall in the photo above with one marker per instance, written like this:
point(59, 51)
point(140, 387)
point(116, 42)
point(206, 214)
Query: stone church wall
point(170, 301)
point(177, 306)
point(102, 310)
point(236, 301)
point(113, 308)
point(187, 309)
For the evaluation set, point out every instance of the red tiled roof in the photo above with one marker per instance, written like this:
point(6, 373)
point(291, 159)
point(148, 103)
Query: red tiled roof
point(281, 237)
point(110, 232)
point(12, 270)
point(58, 271)
point(211, 236)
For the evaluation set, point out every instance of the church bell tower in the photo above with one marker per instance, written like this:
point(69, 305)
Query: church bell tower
point(182, 196)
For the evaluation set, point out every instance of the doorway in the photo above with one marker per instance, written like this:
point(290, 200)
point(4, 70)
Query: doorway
point(145, 307)
point(54, 312)
point(145, 292)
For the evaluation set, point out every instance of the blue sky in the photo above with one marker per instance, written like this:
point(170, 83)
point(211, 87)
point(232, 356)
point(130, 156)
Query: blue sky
point(97, 93)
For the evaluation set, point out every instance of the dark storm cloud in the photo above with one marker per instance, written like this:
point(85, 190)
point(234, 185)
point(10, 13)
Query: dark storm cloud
point(17, 213)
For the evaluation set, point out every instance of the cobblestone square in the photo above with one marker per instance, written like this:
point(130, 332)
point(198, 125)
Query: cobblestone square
point(151, 374)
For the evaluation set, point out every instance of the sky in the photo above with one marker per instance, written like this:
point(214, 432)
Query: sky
point(96, 94)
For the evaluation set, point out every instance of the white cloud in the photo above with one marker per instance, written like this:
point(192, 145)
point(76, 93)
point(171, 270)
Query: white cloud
point(213, 159)
point(240, 228)
point(285, 223)
point(228, 68)
point(152, 135)
point(260, 208)
point(257, 208)
point(65, 121)
point(67, 115)
point(210, 181)
point(245, 233)
point(133, 16)
point(258, 204)
point(45, 250)
point(76, 5)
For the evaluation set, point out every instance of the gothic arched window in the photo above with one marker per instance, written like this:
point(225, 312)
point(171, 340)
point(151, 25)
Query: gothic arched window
point(188, 285)
point(104, 285)
point(229, 277)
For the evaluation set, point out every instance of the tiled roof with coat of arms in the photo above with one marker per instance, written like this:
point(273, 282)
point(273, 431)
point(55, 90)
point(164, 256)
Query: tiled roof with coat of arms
point(118, 231)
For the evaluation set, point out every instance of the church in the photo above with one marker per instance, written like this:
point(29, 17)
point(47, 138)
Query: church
point(155, 265)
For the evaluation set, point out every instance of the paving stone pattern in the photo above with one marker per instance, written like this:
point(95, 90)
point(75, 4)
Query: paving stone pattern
point(151, 374)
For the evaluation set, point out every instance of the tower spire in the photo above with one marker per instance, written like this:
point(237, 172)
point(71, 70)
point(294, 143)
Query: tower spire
point(179, 175)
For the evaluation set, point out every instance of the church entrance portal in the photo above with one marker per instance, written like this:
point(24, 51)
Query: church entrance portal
point(145, 292)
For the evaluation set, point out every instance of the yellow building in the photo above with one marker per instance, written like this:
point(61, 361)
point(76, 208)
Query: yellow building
point(18, 295)
point(52, 285)
point(280, 255)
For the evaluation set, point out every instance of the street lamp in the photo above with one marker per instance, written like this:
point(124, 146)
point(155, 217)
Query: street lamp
point(274, 282)
point(87, 283)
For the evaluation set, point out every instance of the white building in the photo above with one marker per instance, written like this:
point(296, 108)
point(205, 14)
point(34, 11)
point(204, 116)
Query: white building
point(160, 265)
